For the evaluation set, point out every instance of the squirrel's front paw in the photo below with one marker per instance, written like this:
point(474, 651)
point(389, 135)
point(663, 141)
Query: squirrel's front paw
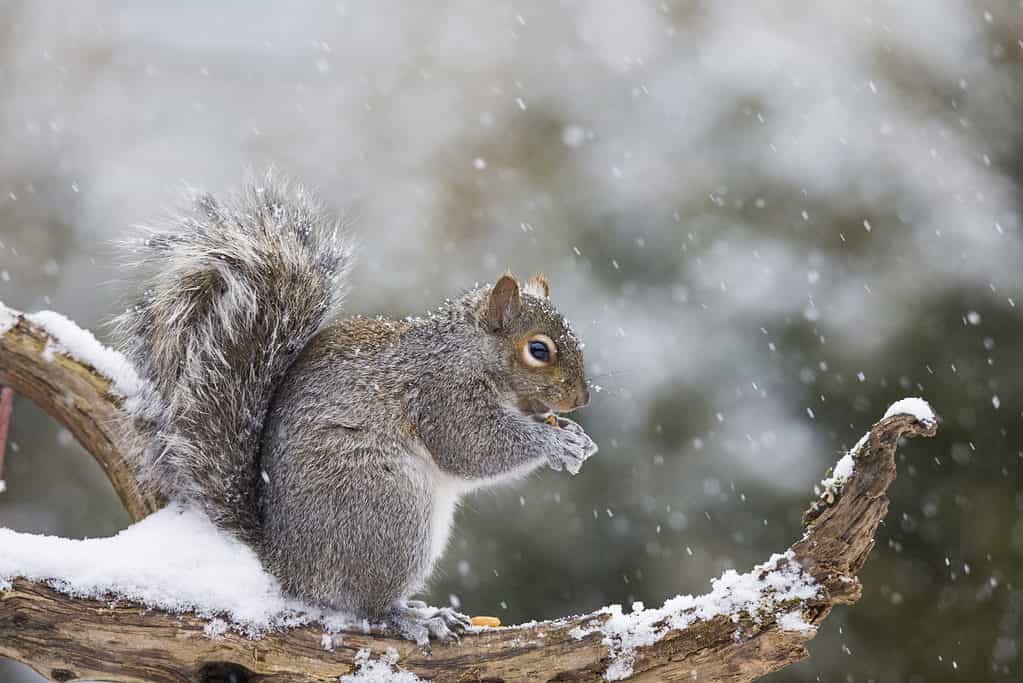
point(574, 446)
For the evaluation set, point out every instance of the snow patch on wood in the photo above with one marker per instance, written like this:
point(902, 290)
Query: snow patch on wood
point(757, 592)
point(917, 407)
point(843, 469)
point(793, 621)
point(383, 670)
point(175, 560)
point(74, 342)
point(8, 319)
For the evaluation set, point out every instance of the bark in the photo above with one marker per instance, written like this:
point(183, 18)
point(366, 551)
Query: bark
point(79, 398)
point(67, 638)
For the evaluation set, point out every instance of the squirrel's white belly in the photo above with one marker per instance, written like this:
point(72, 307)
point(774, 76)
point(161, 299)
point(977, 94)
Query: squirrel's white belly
point(447, 493)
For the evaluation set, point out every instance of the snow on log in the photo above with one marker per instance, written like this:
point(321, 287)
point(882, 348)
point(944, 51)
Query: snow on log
point(171, 599)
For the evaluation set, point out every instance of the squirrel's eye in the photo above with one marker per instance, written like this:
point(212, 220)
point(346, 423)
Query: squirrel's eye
point(539, 351)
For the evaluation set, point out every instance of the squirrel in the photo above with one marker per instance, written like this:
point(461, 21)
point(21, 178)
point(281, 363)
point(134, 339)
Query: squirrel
point(337, 448)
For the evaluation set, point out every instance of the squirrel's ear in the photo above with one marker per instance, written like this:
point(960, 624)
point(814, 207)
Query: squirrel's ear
point(538, 286)
point(504, 302)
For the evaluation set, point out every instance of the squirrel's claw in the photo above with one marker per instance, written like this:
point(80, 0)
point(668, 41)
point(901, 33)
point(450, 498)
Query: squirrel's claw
point(414, 620)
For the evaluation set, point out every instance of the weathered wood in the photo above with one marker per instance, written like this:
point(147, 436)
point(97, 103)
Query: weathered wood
point(67, 638)
point(79, 398)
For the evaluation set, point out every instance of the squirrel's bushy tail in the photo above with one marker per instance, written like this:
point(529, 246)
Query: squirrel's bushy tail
point(234, 291)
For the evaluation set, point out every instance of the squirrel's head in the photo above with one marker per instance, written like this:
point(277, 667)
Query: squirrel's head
point(543, 358)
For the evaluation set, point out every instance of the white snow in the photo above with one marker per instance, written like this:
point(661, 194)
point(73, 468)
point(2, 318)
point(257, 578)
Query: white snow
point(81, 345)
point(917, 407)
point(383, 670)
point(844, 467)
point(768, 585)
point(8, 319)
point(216, 628)
point(175, 560)
point(793, 621)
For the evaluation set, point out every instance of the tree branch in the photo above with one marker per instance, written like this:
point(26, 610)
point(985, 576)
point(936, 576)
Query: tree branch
point(68, 638)
point(75, 395)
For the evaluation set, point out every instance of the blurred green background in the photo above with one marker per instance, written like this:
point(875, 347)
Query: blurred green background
point(768, 221)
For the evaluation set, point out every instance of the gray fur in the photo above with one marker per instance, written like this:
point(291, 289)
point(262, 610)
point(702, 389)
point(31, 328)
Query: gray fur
point(233, 292)
point(373, 428)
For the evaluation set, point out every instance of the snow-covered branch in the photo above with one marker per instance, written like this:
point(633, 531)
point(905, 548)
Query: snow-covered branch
point(81, 384)
point(171, 600)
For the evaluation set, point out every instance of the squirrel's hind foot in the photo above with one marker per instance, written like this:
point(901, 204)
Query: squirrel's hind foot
point(414, 620)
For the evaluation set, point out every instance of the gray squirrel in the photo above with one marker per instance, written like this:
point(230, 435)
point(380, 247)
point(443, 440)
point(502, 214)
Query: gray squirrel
point(338, 449)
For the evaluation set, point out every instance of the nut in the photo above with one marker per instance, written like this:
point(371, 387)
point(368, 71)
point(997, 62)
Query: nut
point(552, 420)
point(488, 622)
